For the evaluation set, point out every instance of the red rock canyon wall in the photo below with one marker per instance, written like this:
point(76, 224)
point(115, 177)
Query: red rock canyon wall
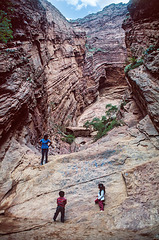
point(142, 34)
point(41, 72)
point(105, 47)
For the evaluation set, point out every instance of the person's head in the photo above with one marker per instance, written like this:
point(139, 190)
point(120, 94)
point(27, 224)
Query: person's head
point(46, 136)
point(61, 193)
point(101, 187)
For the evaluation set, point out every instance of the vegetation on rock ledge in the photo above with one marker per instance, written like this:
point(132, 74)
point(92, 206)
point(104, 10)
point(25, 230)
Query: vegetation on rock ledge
point(68, 138)
point(134, 62)
point(106, 123)
point(5, 21)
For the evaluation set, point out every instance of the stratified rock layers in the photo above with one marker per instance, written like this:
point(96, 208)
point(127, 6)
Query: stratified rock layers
point(46, 79)
point(105, 47)
point(41, 72)
point(142, 34)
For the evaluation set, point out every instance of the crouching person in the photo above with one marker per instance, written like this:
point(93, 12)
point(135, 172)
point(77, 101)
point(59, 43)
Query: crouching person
point(101, 197)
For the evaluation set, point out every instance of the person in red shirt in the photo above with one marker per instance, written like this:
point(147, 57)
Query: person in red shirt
point(61, 202)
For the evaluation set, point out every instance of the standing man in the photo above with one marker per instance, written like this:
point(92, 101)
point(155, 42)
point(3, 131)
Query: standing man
point(45, 143)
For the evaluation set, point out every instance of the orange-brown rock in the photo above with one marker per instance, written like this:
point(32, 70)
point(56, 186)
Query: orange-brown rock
point(131, 202)
point(41, 72)
point(78, 131)
point(42, 77)
point(142, 33)
point(105, 47)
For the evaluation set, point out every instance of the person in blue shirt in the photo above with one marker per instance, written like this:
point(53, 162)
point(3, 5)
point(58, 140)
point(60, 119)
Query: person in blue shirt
point(45, 143)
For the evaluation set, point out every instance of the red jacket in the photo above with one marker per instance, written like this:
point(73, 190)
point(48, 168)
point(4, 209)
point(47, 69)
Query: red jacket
point(61, 201)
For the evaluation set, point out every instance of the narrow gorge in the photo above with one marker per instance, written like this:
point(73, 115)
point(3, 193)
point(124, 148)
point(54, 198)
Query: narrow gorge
point(57, 75)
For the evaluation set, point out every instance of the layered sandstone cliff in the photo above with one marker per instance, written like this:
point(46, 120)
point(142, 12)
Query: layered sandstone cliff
point(41, 78)
point(44, 78)
point(41, 72)
point(142, 34)
point(105, 46)
point(51, 71)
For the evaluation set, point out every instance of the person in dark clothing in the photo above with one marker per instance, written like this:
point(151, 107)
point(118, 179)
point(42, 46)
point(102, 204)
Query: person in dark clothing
point(45, 143)
point(61, 202)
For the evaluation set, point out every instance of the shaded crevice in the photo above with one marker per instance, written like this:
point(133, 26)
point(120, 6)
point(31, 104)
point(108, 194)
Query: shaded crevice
point(37, 43)
point(125, 184)
point(25, 230)
point(102, 83)
point(10, 191)
point(19, 120)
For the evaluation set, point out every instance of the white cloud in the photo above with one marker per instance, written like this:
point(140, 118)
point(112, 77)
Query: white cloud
point(80, 6)
point(72, 2)
point(93, 3)
point(85, 3)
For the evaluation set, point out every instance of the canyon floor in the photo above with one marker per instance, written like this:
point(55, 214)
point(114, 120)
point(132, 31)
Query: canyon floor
point(125, 161)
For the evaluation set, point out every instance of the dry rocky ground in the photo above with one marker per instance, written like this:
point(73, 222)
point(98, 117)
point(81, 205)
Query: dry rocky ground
point(125, 161)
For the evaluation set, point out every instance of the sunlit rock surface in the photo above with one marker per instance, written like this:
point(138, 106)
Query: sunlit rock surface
point(125, 161)
point(128, 167)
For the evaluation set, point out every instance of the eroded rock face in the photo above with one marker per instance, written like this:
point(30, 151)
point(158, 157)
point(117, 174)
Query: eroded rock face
point(125, 161)
point(23, 81)
point(40, 77)
point(41, 72)
point(142, 33)
point(105, 47)
point(141, 26)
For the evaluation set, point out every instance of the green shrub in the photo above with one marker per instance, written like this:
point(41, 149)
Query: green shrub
point(133, 65)
point(113, 123)
point(132, 60)
point(86, 124)
point(68, 138)
point(5, 27)
point(100, 50)
point(111, 110)
point(149, 50)
point(127, 68)
point(105, 124)
point(91, 49)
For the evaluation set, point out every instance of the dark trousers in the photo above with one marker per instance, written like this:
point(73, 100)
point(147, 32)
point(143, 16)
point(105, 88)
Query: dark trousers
point(44, 154)
point(62, 210)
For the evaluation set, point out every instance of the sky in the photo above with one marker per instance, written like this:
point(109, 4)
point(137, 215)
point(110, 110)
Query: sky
point(73, 9)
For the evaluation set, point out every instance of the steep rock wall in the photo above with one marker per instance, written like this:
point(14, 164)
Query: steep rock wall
point(22, 87)
point(64, 70)
point(142, 34)
point(41, 72)
point(105, 46)
point(125, 161)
